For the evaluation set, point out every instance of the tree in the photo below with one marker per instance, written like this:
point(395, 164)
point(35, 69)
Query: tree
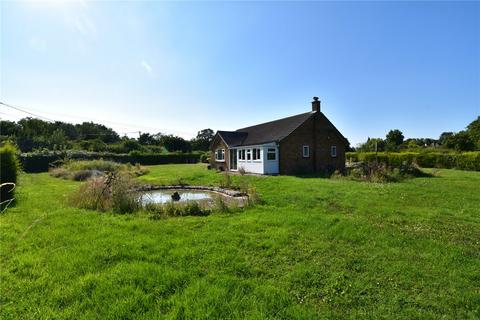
point(131, 145)
point(9, 128)
point(69, 129)
point(32, 127)
point(473, 130)
point(460, 142)
point(58, 139)
point(394, 137)
point(444, 136)
point(203, 140)
point(372, 145)
point(147, 139)
point(174, 143)
point(90, 131)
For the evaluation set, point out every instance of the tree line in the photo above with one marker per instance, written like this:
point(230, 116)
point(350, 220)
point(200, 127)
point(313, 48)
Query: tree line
point(32, 134)
point(465, 140)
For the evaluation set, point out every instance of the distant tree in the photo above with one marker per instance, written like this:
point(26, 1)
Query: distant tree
point(203, 140)
point(131, 145)
point(174, 143)
point(473, 130)
point(32, 127)
point(444, 136)
point(9, 128)
point(413, 143)
point(97, 145)
point(394, 137)
point(371, 144)
point(69, 129)
point(147, 139)
point(461, 141)
point(90, 131)
point(58, 140)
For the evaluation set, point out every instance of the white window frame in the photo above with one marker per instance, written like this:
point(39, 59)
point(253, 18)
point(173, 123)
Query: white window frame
point(270, 152)
point(307, 153)
point(222, 153)
point(256, 154)
point(249, 154)
point(333, 151)
point(241, 154)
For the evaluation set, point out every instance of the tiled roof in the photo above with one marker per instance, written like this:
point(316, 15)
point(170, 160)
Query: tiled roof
point(272, 131)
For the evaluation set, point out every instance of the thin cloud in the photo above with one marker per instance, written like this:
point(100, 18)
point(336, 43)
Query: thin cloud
point(83, 25)
point(78, 17)
point(147, 67)
point(38, 44)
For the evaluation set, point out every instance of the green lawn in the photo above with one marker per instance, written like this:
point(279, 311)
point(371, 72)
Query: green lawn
point(316, 248)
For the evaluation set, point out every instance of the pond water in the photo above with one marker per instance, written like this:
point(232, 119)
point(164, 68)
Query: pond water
point(164, 196)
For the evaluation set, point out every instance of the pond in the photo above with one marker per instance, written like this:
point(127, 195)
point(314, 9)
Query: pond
point(164, 196)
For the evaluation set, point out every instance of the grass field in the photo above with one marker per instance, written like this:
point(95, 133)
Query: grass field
point(316, 248)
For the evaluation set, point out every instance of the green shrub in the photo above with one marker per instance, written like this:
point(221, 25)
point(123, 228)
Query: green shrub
point(9, 169)
point(205, 157)
point(380, 172)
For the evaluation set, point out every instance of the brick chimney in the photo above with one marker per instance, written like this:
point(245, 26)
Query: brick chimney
point(315, 104)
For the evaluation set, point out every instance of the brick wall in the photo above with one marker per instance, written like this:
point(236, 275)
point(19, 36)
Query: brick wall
point(319, 134)
point(219, 165)
point(291, 150)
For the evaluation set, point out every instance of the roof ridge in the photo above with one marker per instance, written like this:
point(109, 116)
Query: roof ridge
point(261, 124)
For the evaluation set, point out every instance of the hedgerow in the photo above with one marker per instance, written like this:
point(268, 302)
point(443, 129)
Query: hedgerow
point(448, 160)
point(41, 162)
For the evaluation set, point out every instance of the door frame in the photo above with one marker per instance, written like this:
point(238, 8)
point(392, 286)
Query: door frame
point(233, 155)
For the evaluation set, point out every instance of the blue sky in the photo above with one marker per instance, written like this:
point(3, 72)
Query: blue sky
point(178, 67)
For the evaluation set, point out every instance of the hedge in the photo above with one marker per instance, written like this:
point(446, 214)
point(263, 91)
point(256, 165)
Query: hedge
point(462, 161)
point(41, 162)
point(9, 168)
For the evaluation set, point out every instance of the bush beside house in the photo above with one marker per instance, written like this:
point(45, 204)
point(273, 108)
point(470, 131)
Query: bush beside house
point(9, 168)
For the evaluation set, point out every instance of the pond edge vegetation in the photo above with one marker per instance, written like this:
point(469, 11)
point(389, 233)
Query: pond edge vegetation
point(110, 186)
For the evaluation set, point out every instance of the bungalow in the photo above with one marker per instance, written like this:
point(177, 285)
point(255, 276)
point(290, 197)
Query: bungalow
point(304, 143)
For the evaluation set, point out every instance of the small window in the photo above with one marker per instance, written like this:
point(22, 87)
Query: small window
point(306, 151)
point(256, 154)
point(249, 154)
point(220, 155)
point(333, 151)
point(271, 154)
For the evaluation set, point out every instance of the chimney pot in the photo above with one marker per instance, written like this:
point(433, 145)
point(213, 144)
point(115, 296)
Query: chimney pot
point(316, 104)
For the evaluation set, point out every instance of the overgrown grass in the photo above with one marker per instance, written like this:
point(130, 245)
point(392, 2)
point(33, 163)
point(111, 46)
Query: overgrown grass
point(82, 170)
point(170, 209)
point(380, 172)
point(110, 192)
point(315, 248)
